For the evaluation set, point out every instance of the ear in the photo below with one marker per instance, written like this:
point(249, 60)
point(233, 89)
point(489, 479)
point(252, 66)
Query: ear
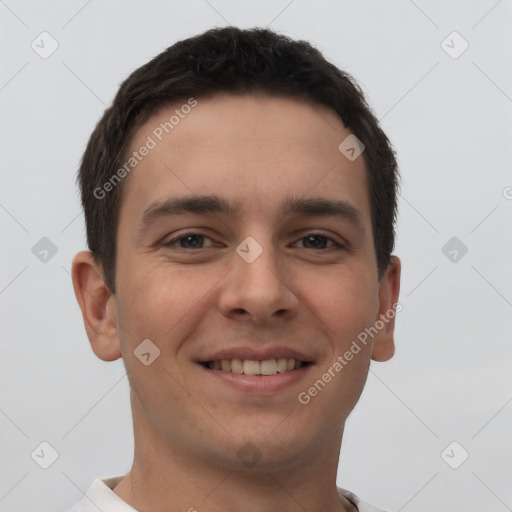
point(389, 289)
point(98, 306)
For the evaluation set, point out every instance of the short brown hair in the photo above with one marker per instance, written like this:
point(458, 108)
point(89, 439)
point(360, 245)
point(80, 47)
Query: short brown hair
point(236, 61)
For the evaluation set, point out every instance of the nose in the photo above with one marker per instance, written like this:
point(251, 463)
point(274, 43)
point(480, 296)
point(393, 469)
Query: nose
point(260, 291)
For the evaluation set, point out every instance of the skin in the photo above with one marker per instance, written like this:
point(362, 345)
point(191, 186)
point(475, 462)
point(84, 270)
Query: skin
point(188, 426)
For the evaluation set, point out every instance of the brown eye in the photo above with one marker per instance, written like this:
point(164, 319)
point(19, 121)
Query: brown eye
point(315, 241)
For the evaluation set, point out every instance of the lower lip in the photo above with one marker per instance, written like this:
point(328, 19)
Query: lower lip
point(259, 383)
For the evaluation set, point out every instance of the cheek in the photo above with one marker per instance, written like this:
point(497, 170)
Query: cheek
point(346, 303)
point(159, 302)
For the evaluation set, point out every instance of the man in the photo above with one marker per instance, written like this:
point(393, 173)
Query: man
point(240, 201)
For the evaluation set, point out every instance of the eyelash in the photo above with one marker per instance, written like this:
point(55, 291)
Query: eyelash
point(336, 245)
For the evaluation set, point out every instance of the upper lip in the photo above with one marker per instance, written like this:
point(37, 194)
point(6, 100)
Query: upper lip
point(255, 354)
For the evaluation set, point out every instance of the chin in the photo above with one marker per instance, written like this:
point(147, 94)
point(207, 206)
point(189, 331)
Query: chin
point(269, 449)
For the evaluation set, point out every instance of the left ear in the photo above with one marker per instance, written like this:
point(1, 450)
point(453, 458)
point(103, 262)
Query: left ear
point(389, 289)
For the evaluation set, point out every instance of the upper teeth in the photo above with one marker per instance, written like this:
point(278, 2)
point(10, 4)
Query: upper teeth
point(251, 367)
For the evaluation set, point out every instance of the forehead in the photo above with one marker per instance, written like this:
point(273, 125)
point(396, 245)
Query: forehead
point(252, 149)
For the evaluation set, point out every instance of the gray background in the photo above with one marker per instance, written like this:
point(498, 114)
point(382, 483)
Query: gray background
point(449, 119)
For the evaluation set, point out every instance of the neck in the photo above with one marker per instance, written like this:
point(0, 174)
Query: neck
point(169, 478)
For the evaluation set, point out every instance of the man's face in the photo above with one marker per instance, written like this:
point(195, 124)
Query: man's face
point(195, 284)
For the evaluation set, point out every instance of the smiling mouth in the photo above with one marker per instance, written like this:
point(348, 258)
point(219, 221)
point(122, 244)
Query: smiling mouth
point(254, 367)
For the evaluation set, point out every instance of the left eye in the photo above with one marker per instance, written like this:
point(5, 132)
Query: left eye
point(317, 241)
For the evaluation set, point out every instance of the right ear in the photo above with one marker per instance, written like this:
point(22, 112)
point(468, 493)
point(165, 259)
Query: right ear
point(98, 306)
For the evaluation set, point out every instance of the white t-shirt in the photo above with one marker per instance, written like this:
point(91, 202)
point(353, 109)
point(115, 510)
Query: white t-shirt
point(100, 496)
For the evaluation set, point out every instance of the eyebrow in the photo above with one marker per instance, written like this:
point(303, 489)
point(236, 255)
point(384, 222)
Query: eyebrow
point(212, 204)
